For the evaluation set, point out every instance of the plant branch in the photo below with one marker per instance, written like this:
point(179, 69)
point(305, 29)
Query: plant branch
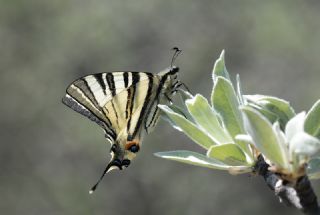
point(299, 194)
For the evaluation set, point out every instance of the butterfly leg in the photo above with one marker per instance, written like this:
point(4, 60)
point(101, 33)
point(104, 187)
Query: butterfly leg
point(169, 99)
point(185, 86)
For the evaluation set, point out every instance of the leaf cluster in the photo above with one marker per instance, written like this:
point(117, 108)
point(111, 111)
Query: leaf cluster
point(235, 129)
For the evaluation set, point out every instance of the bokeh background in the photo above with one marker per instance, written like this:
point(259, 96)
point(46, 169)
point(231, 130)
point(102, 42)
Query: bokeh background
point(50, 156)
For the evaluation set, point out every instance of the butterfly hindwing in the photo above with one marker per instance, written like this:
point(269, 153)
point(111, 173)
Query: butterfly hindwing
point(144, 100)
point(127, 109)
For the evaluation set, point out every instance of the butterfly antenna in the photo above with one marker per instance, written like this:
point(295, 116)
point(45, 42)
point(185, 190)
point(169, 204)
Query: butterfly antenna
point(100, 179)
point(177, 51)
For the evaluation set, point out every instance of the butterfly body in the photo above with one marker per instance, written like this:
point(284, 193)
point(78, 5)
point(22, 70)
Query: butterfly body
point(124, 105)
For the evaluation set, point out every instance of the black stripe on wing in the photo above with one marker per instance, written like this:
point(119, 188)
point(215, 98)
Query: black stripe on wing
point(152, 116)
point(111, 84)
point(125, 79)
point(101, 82)
point(153, 110)
point(135, 80)
point(112, 89)
point(146, 102)
point(129, 102)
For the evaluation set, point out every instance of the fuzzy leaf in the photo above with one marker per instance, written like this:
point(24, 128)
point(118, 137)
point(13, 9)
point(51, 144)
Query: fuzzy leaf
point(189, 128)
point(225, 102)
point(295, 125)
point(207, 119)
point(236, 170)
point(219, 68)
point(245, 138)
point(193, 158)
point(263, 135)
point(239, 91)
point(185, 95)
point(277, 106)
point(313, 169)
point(266, 113)
point(230, 154)
point(304, 144)
point(282, 143)
point(177, 110)
point(312, 122)
point(245, 142)
point(184, 112)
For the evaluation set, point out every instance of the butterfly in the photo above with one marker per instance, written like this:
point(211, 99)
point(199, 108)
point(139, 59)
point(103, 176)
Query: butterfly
point(125, 105)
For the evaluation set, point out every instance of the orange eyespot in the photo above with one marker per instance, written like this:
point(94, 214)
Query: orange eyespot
point(132, 146)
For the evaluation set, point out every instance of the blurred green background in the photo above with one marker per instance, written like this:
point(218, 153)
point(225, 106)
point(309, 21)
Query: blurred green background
point(50, 156)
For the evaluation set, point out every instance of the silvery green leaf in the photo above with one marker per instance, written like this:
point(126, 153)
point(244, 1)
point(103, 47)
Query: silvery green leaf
point(313, 169)
point(219, 68)
point(189, 128)
point(185, 95)
point(265, 112)
point(279, 107)
point(245, 138)
point(263, 135)
point(207, 119)
point(177, 110)
point(304, 144)
point(166, 118)
point(229, 153)
point(236, 170)
point(242, 101)
point(295, 125)
point(226, 104)
point(280, 104)
point(193, 158)
point(245, 142)
point(282, 143)
point(183, 112)
point(312, 122)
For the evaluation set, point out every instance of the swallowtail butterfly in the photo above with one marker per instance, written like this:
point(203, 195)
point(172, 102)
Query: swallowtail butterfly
point(124, 105)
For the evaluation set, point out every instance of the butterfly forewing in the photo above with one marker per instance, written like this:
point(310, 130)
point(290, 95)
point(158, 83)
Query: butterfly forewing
point(115, 100)
point(105, 86)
